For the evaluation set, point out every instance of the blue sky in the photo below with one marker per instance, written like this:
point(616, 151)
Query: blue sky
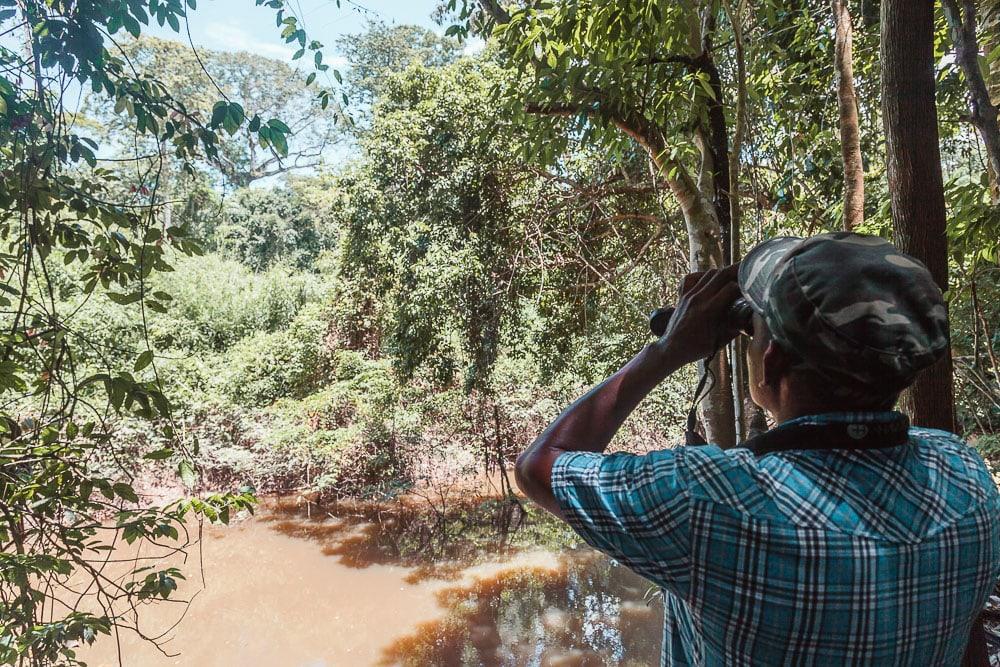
point(239, 25)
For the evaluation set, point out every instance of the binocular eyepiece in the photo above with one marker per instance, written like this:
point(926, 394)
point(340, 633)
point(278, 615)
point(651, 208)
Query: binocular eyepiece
point(739, 317)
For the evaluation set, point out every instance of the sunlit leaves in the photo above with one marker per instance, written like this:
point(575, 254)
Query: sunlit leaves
point(61, 208)
point(293, 33)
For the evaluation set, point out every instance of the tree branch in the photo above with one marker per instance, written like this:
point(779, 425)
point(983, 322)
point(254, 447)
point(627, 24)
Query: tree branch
point(495, 11)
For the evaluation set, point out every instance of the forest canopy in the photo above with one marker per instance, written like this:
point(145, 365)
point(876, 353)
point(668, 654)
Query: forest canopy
point(246, 276)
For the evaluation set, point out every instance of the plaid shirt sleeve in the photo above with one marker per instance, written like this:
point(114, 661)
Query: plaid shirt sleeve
point(634, 508)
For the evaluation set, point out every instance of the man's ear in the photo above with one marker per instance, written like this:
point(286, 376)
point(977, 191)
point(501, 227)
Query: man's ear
point(776, 363)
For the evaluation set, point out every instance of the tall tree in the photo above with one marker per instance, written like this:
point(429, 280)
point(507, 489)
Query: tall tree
point(382, 50)
point(641, 72)
point(983, 112)
point(915, 182)
point(991, 42)
point(850, 132)
point(260, 86)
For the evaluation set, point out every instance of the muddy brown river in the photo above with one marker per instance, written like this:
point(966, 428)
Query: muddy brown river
point(297, 588)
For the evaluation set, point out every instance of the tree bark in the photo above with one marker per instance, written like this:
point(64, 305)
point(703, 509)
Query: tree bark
point(915, 182)
point(847, 104)
point(746, 412)
point(983, 113)
point(705, 252)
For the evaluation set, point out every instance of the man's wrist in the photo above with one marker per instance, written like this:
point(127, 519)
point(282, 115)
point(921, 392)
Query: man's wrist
point(663, 357)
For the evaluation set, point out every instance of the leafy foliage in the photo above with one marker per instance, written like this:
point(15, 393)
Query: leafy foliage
point(287, 128)
point(58, 205)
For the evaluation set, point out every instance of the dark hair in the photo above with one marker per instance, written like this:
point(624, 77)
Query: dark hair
point(829, 391)
point(843, 399)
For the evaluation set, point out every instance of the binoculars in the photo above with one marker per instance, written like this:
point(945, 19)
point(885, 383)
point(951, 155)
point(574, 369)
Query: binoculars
point(738, 317)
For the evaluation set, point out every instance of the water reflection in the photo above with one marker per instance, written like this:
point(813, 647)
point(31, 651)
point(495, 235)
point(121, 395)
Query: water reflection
point(577, 609)
point(584, 611)
point(395, 584)
point(437, 540)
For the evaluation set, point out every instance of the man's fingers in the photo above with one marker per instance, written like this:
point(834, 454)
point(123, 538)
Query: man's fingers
point(727, 294)
point(689, 281)
point(708, 281)
point(715, 279)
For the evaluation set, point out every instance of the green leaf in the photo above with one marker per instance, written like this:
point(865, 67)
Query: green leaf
point(280, 143)
point(145, 359)
point(219, 112)
point(185, 470)
point(236, 113)
point(159, 454)
point(124, 299)
point(125, 491)
point(105, 488)
point(279, 126)
point(131, 25)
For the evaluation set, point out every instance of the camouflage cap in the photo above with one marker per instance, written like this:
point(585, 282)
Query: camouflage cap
point(851, 307)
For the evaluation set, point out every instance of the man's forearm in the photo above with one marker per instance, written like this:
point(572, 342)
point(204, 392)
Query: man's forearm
point(696, 329)
point(591, 421)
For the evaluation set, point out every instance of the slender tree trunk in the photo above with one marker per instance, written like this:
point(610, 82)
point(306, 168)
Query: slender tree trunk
point(705, 252)
point(717, 409)
point(746, 411)
point(915, 183)
point(847, 104)
point(990, 16)
point(983, 113)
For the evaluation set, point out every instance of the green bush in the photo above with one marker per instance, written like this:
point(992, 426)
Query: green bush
point(359, 431)
point(217, 302)
point(269, 365)
point(262, 228)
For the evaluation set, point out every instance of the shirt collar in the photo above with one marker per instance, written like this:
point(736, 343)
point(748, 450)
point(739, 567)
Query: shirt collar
point(835, 430)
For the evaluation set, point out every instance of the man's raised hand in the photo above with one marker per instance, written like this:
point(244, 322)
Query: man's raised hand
point(699, 325)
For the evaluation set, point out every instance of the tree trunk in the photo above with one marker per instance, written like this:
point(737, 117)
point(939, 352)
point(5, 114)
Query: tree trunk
point(915, 183)
point(703, 227)
point(983, 113)
point(990, 35)
point(747, 414)
point(850, 133)
point(717, 410)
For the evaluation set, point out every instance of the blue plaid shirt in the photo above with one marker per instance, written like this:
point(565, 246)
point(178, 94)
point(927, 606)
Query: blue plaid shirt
point(806, 557)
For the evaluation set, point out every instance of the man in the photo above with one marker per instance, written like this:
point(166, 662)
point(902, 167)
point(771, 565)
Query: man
point(842, 536)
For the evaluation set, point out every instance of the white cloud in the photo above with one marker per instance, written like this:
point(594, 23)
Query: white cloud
point(473, 46)
point(231, 38)
point(220, 36)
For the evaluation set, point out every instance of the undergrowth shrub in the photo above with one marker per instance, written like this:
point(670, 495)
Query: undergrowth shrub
point(269, 365)
point(218, 302)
